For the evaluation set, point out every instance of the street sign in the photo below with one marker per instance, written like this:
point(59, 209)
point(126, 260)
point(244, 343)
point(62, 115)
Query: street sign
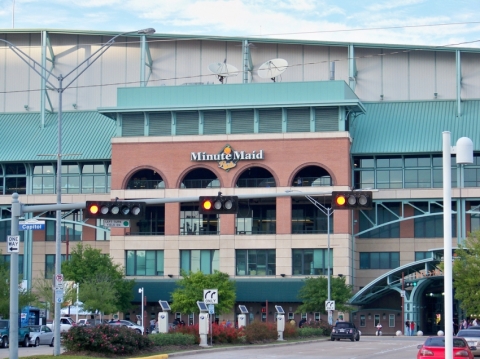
point(58, 295)
point(329, 305)
point(13, 242)
point(59, 281)
point(211, 309)
point(31, 225)
point(116, 223)
point(210, 296)
point(402, 293)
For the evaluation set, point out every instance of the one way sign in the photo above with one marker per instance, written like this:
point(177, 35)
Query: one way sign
point(210, 296)
point(13, 243)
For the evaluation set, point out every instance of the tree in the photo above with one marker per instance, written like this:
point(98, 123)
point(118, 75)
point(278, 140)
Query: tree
point(466, 274)
point(43, 289)
point(89, 267)
point(314, 293)
point(190, 290)
point(25, 297)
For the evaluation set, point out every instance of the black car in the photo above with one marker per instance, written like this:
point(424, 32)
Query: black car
point(345, 330)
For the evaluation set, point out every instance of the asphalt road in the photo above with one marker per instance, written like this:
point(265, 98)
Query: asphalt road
point(25, 352)
point(366, 348)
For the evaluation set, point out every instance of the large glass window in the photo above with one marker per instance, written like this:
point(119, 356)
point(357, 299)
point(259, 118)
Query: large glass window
point(379, 260)
point(70, 178)
point(143, 263)
point(94, 178)
point(6, 260)
point(256, 217)
point(101, 235)
point(43, 179)
point(475, 217)
point(70, 231)
point(422, 255)
point(6, 226)
point(430, 226)
point(194, 223)
point(383, 213)
point(255, 262)
point(153, 224)
point(205, 260)
point(50, 265)
point(311, 261)
point(306, 218)
point(15, 179)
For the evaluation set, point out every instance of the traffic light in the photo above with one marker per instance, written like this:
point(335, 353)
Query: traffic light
point(115, 210)
point(218, 204)
point(351, 200)
point(410, 284)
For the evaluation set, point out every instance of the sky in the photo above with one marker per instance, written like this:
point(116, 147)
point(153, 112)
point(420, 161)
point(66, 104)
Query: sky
point(411, 22)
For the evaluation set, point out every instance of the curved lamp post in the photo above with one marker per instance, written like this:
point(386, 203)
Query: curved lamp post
point(45, 74)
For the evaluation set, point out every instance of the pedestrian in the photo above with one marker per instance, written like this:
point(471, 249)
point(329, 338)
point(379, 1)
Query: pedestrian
point(407, 328)
point(302, 321)
point(152, 325)
point(475, 323)
point(412, 328)
point(224, 323)
point(379, 329)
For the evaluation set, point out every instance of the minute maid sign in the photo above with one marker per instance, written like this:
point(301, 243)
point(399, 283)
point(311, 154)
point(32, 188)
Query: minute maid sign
point(227, 158)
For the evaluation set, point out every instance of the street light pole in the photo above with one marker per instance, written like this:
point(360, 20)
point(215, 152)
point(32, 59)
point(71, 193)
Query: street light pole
point(328, 211)
point(44, 73)
point(140, 290)
point(76, 303)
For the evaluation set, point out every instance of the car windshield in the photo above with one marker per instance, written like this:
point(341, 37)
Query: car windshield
point(440, 342)
point(469, 333)
point(127, 322)
point(3, 324)
point(34, 328)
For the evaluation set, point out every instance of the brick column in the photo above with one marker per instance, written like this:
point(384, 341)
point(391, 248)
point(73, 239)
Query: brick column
point(284, 215)
point(172, 221)
point(227, 224)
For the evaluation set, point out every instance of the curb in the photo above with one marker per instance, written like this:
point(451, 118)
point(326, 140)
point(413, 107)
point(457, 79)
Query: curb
point(158, 356)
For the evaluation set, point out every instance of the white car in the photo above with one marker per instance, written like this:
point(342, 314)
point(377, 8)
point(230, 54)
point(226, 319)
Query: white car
point(130, 325)
point(40, 334)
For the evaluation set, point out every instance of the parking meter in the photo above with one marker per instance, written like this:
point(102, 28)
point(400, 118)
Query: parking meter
point(203, 323)
point(163, 317)
point(280, 321)
point(242, 317)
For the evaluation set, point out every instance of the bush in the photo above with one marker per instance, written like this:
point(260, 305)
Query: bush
point(306, 332)
point(105, 339)
point(224, 334)
point(290, 331)
point(188, 329)
point(324, 326)
point(260, 332)
point(165, 339)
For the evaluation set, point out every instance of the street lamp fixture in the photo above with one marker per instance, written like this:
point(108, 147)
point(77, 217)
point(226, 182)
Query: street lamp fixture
point(46, 74)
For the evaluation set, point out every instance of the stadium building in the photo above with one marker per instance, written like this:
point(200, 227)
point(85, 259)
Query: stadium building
point(152, 116)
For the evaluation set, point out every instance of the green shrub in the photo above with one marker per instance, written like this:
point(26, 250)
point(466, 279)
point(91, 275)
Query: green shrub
point(290, 331)
point(105, 339)
point(306, 332)
point(257, 332)
point(164, 339)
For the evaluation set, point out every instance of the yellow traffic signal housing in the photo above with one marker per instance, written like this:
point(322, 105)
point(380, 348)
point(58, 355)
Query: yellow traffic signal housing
point(352, 200)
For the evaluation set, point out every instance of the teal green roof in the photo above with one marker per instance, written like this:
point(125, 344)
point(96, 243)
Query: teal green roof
point(248, 290)
point(84, 133)
point(413, 127)
point(201, 97)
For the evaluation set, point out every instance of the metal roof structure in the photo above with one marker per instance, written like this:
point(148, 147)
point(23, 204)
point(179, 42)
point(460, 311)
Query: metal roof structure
point(87, 134)
point(413, 126)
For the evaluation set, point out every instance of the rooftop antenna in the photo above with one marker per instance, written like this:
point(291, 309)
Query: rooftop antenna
point(222, 70)
point(272, 69)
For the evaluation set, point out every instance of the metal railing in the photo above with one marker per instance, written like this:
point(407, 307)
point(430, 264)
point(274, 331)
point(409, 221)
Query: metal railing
point(256, 182)
point(145, 184)
point(312, 181)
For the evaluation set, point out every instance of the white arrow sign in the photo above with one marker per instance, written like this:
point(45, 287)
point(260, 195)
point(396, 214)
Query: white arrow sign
point(210, 296)
point(329, 305)
point(13, 243)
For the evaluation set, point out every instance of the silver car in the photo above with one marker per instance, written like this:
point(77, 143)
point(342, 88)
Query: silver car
point(472, 336)
point(130, 325)
point(40, 334)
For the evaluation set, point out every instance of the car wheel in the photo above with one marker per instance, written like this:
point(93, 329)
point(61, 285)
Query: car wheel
point(37, 342)
point(332, 339)
point(138, 331)
point(338, 339)
point(25, 343)
point(52, 343)
point(352, 339)
point(358, 338)
point(5, 342)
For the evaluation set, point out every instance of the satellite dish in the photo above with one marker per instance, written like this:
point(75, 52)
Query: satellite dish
point(222, 70)
point(272, 68)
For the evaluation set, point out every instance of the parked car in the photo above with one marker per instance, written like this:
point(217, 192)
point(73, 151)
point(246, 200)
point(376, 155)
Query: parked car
point(472, 337)
point(128, 324)
point(345, 330)
point(40, 334)
point(434, 348)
